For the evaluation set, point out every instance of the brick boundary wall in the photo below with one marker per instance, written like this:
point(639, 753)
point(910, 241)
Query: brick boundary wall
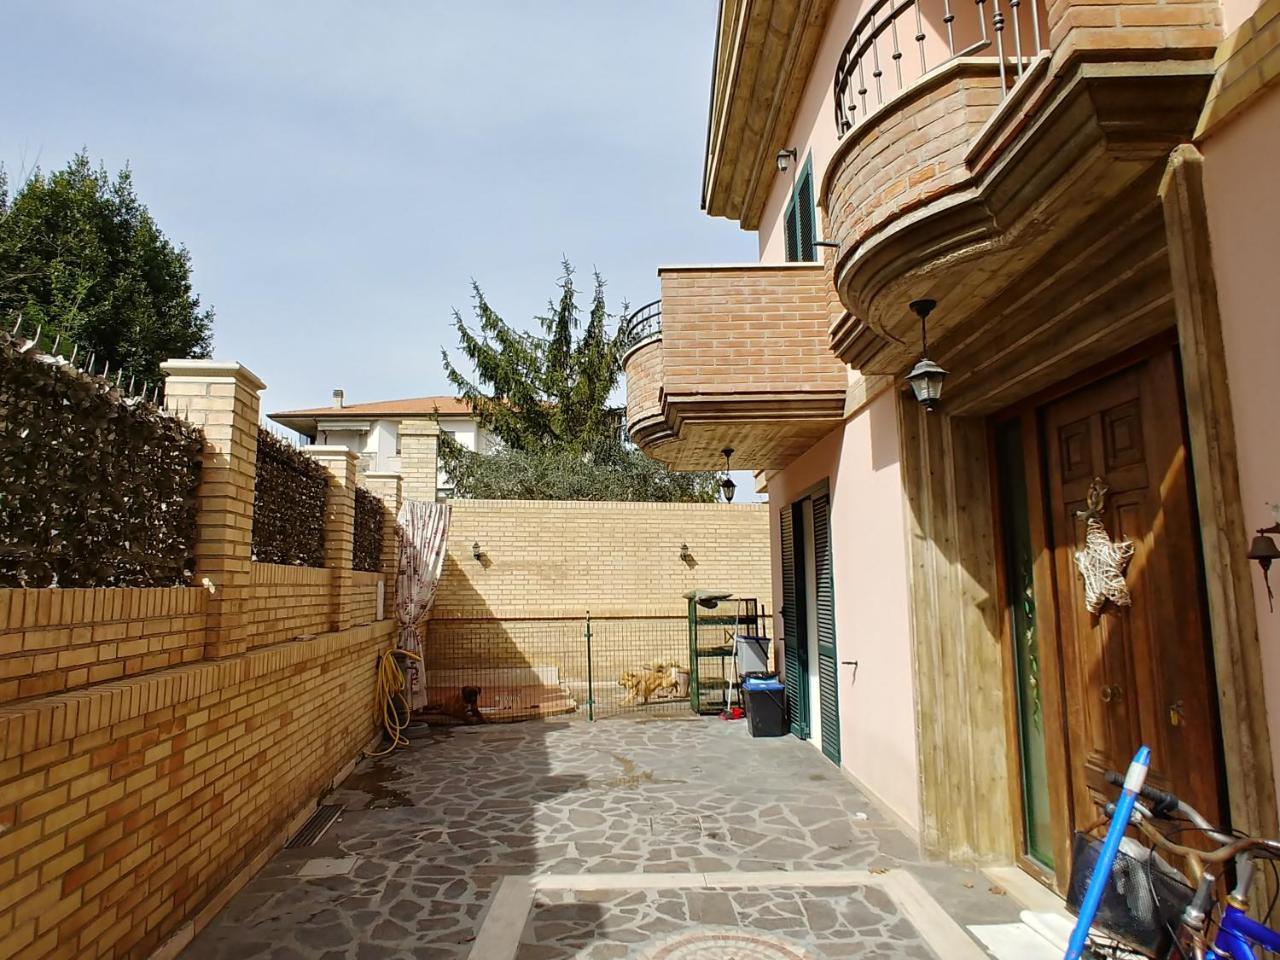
point(545, 564)
point(156, 744)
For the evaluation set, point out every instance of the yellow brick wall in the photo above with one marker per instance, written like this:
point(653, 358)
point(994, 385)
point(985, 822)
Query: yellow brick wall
point(544, 565)
point(560, 559)
point(56, 640)
point(364, 596)
point(286, 602)
point(124, 808)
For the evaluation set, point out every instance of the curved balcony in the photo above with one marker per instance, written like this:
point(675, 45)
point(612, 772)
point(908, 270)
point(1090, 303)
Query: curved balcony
point(734, 357)
point(975, 138)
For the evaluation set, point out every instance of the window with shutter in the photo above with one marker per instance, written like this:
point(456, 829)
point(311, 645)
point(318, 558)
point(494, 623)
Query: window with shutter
point(800, 223)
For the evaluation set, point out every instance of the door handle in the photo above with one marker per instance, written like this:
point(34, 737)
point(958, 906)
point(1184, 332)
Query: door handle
point(1177, 713)
point(1111, 692)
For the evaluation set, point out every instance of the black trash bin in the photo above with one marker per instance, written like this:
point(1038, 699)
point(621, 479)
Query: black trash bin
point(766, 707)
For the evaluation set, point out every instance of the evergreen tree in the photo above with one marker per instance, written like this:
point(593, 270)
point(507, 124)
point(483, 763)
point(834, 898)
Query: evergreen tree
point(546, 397)
point(82, 256)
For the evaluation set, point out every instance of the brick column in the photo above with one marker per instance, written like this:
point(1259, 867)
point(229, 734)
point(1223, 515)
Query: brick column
point(419, 450)
point(339, 528)
point(222, 399)
point(387, 487)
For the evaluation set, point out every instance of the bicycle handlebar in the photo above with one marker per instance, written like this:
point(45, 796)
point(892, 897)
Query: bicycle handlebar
point(1162, 802)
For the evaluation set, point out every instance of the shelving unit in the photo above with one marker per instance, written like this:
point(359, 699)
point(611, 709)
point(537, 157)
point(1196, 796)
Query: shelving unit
point(715, 618)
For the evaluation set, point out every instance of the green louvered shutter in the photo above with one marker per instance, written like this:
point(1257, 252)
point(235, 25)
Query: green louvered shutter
point(806, 233)
point(795, 656)
point(791, 231)
point(828, 671)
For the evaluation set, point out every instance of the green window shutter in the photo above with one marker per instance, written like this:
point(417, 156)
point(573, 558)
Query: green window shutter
point(794, 655)
point(828, 671)
point(806, 215)
point(792, 233)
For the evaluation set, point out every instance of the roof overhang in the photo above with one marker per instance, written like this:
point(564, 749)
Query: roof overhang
point(764, 53)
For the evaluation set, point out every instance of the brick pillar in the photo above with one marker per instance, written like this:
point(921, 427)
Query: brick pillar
point(222, 399)
point(419, 451)
point(339, 528)
point(387, 487)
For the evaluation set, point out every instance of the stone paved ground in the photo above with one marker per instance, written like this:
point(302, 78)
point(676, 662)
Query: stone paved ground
point(429, 833)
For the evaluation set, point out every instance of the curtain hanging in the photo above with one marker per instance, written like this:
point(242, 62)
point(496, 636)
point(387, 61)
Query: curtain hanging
point(424, 531)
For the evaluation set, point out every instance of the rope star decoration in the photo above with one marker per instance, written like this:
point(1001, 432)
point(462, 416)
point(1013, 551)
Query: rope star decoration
point(1102, 563)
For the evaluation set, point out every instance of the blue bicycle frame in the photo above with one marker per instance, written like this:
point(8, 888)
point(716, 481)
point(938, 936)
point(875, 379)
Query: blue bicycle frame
point(1238, 934)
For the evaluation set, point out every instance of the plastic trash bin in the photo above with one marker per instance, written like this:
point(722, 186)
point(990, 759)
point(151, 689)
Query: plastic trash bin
point(755, 654)
point(766, 707)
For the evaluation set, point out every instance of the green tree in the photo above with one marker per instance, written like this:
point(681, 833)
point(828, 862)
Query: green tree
point(82, 256)
point(546, 397)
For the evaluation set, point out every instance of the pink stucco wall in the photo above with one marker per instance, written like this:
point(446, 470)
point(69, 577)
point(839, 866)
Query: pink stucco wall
point(1242, 194)
point(860, 461)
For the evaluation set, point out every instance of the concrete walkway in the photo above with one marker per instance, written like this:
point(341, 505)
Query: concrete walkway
point(648, 839)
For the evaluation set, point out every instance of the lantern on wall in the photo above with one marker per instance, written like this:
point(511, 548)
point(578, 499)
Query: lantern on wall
point(926, 376)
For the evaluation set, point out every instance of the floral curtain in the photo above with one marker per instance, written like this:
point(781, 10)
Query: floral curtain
point(424, 530)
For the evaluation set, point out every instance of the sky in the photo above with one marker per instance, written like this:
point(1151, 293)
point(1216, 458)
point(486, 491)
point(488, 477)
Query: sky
point(341, 171)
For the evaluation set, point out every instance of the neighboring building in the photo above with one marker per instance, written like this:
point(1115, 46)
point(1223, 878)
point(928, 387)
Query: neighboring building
point(1051, 174)
point(377, 430)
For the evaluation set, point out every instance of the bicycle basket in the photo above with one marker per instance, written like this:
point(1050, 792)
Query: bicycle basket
point(1141, 904)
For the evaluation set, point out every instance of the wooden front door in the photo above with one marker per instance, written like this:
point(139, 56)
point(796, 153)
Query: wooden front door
point(1141, 674)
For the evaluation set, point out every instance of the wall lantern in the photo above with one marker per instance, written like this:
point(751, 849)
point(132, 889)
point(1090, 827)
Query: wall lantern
point(1265, 552)
point(727, 486)
point(685, 555)
point(785, 158)
point(926, 376)
point(476, 552)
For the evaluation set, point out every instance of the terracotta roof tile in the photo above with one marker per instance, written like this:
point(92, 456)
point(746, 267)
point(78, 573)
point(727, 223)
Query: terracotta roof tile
point(411, 407)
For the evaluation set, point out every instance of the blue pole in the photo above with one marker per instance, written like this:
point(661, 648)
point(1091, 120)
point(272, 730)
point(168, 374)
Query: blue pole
point(1133, 782)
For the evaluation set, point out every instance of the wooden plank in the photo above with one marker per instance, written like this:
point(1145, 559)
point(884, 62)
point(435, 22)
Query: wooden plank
point(1237, 658)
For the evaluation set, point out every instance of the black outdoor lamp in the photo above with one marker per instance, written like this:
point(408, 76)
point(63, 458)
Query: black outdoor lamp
point(727, 486)
point(476, 552)
point(1265, 552)
point(926, 376)
point(785, 158)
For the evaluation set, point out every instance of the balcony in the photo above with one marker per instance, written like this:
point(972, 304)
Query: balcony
point(734, 357)
point(975, 138)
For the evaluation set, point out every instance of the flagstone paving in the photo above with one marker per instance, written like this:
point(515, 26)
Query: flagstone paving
point(429, 833)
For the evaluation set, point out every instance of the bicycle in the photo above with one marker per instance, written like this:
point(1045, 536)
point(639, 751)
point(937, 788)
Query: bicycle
point(1144, 902)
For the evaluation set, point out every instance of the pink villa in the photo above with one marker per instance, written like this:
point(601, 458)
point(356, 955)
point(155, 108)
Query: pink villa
point(1070, 207)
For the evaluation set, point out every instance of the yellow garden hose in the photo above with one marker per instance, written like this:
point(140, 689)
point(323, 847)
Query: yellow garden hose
point(392, 686)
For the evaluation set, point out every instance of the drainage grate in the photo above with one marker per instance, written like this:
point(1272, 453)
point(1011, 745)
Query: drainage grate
point(316, 825)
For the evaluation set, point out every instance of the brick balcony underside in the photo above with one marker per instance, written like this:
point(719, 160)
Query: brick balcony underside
point(953, 194)
point(742, 362)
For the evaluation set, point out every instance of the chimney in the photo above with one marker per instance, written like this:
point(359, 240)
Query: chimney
point(337, 399)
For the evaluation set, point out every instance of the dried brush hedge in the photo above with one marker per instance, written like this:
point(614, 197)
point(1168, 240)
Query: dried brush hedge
point(96, 489)
point(288, 505)
point(367, 550)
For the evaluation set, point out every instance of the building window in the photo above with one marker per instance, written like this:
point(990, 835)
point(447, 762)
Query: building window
point(801, 218)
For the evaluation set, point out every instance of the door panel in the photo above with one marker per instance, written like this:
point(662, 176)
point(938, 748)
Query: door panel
point(1138, 674)
point(794, 644)
point(828, 672)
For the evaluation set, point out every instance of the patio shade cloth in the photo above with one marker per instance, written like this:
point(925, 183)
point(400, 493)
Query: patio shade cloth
point(424, 533)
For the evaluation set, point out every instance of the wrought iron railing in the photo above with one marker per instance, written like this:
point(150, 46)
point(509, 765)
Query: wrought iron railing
point(862, 83)
point(645, 322)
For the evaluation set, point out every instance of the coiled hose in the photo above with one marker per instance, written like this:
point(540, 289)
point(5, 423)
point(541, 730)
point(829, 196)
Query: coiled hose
point(392, 687)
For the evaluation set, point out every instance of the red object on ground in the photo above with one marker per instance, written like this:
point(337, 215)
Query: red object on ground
point(733, 713)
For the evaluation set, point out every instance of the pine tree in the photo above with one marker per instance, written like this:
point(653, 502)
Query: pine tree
point(546, 397)
point(81, 256)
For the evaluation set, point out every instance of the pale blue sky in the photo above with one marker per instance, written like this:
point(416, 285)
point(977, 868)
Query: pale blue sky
point(341, 170)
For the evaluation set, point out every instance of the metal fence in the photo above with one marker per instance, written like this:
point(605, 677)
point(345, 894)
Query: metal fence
point(589, 668)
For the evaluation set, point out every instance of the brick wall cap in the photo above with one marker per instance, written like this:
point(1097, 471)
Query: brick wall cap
point(715, 267)
point(213, 370)
point(419, 428)
point(328, 452)
point(382, 475)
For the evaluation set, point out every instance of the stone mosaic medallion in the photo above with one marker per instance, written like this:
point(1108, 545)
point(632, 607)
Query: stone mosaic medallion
point(725, 943)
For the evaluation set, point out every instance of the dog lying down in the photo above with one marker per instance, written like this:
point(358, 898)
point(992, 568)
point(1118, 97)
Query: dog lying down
point(464, 708)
